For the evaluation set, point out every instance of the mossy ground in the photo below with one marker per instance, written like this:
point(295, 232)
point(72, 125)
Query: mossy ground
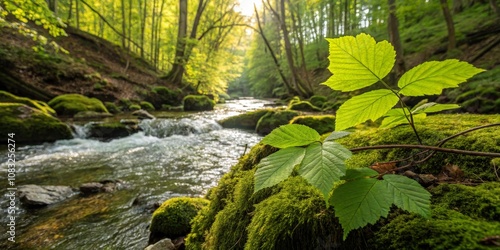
point(71, 104)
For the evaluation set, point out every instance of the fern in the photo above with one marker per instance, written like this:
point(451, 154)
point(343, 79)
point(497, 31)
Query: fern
point(363, 195)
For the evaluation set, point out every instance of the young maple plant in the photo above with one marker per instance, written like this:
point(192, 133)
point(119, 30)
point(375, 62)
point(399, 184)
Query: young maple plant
point(361, 196)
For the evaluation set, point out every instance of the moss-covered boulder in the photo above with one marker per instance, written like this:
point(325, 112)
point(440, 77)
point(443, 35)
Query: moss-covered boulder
point(304, 106)
point(112, 108)
point(161, 95)
point(274, 119)
point(197, 103)
point(31, 125)
point(293, 215)
point(247, 120)
point(7, 97)
point(134, 107)
point(71, 104)
point(147, 106)
point(321, 123)
point(106, 131)
point(172, 219)
point(318, 100)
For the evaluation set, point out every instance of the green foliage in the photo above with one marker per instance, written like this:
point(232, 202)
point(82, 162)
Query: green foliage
point(358, 62)
point(172, 219)
point(71, 104)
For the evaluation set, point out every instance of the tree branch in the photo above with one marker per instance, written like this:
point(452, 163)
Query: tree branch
point(434, 148)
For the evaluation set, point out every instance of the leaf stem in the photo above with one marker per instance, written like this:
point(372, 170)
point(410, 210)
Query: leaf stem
point(446, 150)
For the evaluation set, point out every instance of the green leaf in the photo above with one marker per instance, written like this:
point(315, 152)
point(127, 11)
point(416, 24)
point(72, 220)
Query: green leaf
point(358, 62)
point(357, 173)
point(430, 78)
point(337, 135)
point(370, 105)
point(360, 202)
point(291, 135)
point(433, 107)
point(397, 117)
point(324, 164)
point(408, 194)
point(277, 167)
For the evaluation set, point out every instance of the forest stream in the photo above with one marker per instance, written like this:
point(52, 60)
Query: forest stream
point(182, 155)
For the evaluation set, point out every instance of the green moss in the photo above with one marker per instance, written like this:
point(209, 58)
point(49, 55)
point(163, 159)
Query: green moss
point(198, 103)
point(172, 218)
point(7, 97)
point(112, 108)
point(134, 107)
point(304, 106)
point(321, 123)
point(31, 125)
point(71, 104)
point(247, 120)
point(274, 119)
point(147, 106)
point(447, 229)
point(431, 130)
point(318, 100)
point(161, 95)
point(481, 202)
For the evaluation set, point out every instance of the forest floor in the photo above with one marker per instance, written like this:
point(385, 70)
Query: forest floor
point(94, 67)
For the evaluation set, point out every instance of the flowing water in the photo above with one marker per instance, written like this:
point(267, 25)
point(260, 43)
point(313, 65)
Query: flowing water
point(183, 154)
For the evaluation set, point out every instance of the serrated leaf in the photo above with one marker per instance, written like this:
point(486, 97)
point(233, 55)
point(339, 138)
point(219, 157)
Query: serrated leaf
point(337, 135)
point(360, 202)
point(277, 167)
point(358, 62)
point(433, 107)
point(370, 105)
point(430, 78)
point(291, 135)
point(357, 173)
point(408, 194)
point(397, 117)
point(324, 164)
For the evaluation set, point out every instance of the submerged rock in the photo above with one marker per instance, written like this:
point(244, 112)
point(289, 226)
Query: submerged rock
point(35, 196)
point(106, 131)
point(105, 186)
point(143, 114)
point(165, 244)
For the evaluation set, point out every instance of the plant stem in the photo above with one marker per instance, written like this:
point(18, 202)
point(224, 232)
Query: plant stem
point(446, 150)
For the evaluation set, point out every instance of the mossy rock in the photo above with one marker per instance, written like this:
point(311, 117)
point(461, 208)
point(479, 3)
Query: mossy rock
point(7, 97)
point(304, 106)
point(106, 131)
point(432, 130)
point(247, 120)
point(172, 219)
point(161, 95)
point(31, 125)
point(274, 119)
point(321, 123)
point(71, 104)
point(318, 100)
point(112, 108)
point(134, 107)
point(197, 103)
point(447, 229)
point(147, 106)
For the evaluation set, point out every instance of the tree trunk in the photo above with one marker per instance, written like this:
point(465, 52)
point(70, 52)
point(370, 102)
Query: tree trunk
point(124, 25)
point(452, 43)
point(494, 7)
point(331, 19)
point(143, 24)
point(346, 14)
point(77, 11)
point(70, 12)
point(177, 71)
point(395, 40)
point(52, 6)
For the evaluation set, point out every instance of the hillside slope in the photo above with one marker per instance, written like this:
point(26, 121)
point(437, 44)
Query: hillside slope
point(94, 67)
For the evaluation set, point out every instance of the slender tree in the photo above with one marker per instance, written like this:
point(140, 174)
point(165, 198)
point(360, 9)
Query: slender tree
point(452, 43)
point(395, 40)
